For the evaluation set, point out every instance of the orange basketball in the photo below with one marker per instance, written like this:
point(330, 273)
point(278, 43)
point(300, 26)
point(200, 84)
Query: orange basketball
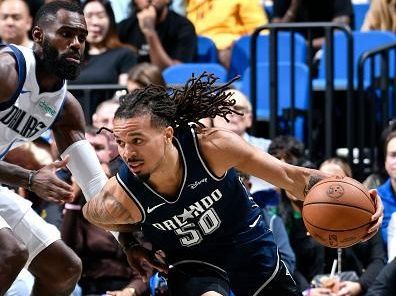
point(337, 212)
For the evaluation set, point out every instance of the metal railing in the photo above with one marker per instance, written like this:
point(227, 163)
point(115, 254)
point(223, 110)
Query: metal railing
point(375, 122)
point(329, 28)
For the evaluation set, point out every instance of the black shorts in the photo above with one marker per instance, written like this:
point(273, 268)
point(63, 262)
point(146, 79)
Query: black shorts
point(194, 279)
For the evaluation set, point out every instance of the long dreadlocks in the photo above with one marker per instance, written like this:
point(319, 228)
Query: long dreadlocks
point(198, 99)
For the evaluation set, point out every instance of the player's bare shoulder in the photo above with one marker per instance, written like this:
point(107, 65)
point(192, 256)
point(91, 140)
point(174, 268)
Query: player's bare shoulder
point(112, 206)
point(221, 148)
point(8, 75)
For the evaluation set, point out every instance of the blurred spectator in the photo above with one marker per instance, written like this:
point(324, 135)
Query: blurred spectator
point(366, 259)
point(387, 191)
point(104, 114)
point(143, 75)
point(15, 22)
point(392, 238)
point(160, 36)
point(381, 16)
point(385, 283)
point(309, 253)
point(240, 125)
point(107, 59)
point(105, 267)
point(339, 11)
point(225, 21)
point(380, 175)
point(103, 118)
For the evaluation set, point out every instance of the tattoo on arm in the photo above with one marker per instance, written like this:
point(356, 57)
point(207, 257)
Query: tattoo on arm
point(311, 182)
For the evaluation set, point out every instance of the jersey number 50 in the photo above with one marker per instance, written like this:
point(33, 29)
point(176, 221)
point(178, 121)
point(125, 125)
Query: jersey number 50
point(192, 235)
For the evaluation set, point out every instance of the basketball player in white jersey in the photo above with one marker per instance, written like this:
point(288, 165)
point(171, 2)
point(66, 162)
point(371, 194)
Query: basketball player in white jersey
point(33, 98)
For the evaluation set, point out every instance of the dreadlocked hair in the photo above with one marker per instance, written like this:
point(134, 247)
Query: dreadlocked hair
point(198, 99)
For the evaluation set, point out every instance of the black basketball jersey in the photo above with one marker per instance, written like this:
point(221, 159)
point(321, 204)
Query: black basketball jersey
point(207, 215)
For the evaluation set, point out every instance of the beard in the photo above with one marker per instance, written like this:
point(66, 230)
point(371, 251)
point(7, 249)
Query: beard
point(58, 64)
point(143, 177)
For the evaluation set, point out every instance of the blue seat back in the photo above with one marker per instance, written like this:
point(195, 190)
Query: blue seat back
point(360, 11)
point(180, 73)
point(206, 51)
point(240, 56)
point(301, 78)
point(362, 41)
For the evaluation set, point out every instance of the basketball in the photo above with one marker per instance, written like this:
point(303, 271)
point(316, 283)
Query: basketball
point(337, 212)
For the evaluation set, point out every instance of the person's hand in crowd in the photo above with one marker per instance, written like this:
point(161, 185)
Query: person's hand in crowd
point(147, 19)
point(320, 292)
point(144, 261)
point(46, 184)
point(378, 215)
point(348, 288)
point(123, 292)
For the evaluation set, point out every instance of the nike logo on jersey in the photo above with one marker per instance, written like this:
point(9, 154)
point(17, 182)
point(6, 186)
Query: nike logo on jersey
point(25, 91)
point(149, 210)
point(196, 183)
point(255, 222)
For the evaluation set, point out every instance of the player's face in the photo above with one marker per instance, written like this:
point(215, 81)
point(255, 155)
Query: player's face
point(390, 159)
point(15, 21)
point(98, 22)
point(141, 145)
point(63, 44)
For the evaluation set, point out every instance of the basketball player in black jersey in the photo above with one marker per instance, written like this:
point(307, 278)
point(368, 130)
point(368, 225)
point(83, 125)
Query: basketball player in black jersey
point(178, 181)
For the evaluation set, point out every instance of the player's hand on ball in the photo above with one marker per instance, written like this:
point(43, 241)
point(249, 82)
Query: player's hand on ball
point(46, 184)
point(378, 215)
point(144, 261)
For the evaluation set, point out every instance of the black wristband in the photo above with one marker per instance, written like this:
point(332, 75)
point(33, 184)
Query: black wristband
point(32, 173)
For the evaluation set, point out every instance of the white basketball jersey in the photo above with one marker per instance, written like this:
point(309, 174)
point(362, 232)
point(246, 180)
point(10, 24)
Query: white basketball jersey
point(28, 113)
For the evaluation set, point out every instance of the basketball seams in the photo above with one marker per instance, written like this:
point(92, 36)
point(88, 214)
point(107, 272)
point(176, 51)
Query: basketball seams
point(336, 204)
point(336, 230)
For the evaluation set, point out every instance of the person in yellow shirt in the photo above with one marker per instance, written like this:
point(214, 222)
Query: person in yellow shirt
point(225, 21)
point(381, 16)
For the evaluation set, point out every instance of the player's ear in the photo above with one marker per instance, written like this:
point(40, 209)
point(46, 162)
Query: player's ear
point(37, 34)
point(169, 134)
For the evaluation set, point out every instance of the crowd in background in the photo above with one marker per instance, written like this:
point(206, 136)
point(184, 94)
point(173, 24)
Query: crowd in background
point(130, 43)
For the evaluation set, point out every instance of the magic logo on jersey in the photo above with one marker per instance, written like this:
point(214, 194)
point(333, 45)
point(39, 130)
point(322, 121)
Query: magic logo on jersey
point(22, 123)
point(196, 221)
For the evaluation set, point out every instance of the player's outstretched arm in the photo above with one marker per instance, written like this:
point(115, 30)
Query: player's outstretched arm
point(70, 140)
point(224, 149)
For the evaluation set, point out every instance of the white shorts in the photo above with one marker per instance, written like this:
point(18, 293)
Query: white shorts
point(16, 212)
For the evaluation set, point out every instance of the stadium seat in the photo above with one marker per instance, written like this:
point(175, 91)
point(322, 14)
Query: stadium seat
point(206, 51)
point(284, 91)
point(362, 41)
point(180, 73)
point(240, 56)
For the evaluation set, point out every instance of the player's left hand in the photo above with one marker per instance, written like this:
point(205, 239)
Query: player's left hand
point(376, 219)
point(348, 288)
point(144, 261)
